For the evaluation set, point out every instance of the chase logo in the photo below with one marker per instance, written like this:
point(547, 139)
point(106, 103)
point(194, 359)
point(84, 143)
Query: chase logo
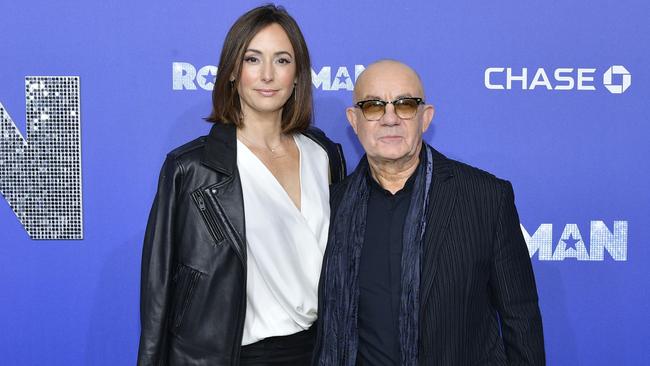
point(186, 76)
point(626, 79)
point(617, 79)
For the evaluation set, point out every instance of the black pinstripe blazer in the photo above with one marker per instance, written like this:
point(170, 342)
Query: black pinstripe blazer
point(478, 303)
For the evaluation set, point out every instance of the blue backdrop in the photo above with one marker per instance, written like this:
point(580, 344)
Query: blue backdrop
point(575, 151)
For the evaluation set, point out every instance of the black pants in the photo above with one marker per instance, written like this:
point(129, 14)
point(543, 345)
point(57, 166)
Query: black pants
point(292, 350)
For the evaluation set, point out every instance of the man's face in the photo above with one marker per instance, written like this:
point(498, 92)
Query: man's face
point(391, 138)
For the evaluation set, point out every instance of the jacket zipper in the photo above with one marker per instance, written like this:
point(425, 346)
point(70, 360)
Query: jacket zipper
point(187, 279)
point(236, 350)
point(215, 232)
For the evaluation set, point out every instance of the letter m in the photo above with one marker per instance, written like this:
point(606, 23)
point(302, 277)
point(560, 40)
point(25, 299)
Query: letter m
point(40, 177)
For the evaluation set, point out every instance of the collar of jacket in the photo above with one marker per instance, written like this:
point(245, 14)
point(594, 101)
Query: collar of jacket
point(220, 151)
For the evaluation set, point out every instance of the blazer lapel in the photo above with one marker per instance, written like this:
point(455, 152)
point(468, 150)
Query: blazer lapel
point(442, 200)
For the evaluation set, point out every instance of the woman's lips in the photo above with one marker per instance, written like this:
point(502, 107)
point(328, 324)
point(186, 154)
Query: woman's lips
point(267, 92)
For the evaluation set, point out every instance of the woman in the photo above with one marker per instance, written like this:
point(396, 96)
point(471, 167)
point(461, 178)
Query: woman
point(237, 231)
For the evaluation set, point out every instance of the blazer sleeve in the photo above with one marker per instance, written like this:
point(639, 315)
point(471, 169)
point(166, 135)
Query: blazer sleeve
point(156, 276)
point(513, 288)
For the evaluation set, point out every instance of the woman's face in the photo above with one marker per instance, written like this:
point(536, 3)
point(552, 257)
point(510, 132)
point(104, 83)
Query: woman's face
point(268, 73)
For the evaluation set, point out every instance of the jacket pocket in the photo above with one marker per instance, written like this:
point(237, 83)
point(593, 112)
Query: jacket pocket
point(213, 227)
point(185, 280)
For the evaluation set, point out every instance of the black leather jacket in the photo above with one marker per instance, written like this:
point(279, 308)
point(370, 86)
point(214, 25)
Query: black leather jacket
point(193, 286)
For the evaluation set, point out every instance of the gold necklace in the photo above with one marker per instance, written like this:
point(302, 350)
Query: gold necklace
point(274, 150)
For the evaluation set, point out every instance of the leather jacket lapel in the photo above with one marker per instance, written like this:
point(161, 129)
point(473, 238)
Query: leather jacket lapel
point(220, 151)
point(220, 154)
point(229, 207)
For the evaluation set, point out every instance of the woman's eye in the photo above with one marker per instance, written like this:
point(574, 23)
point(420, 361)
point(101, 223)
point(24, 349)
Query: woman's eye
point(250, 59)
point(284, 60)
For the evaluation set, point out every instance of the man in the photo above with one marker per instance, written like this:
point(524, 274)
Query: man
point(425, 263)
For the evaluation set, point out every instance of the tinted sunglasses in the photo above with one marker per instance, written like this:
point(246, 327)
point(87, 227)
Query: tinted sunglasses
point(374, 109)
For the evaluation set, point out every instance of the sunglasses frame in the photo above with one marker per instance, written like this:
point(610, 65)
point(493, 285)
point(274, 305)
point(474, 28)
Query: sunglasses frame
point(419, 101)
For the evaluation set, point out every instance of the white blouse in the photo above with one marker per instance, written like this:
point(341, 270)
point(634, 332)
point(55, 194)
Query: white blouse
point(285, 245)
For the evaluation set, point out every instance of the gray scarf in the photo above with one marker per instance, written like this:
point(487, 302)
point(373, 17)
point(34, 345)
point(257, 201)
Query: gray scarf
point(340, 290)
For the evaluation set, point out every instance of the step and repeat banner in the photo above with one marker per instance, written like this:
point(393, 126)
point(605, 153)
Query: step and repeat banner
point(553, 96)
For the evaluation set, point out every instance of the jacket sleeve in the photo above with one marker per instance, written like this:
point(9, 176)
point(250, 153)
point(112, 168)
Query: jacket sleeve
point(513, 287)
point(156, 276)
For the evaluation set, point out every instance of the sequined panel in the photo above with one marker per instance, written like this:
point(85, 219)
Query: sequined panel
point(40, 177)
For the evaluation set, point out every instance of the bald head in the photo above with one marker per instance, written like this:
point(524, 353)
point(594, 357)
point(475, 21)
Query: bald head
point(385, 72)
point(394, 138)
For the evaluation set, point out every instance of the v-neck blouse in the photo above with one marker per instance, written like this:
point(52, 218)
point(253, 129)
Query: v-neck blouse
point(285, 245)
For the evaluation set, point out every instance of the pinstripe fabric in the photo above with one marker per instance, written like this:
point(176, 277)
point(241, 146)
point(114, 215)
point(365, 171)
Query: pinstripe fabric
point(479, 299)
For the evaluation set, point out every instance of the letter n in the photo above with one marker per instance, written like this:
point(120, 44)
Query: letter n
point(40, 177)
point(614, 241)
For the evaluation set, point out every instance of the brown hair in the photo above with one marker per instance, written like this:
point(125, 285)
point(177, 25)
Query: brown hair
point(297, 111)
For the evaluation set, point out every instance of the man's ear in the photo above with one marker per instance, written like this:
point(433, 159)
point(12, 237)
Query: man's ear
point(427, 116)
point(351, 114)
